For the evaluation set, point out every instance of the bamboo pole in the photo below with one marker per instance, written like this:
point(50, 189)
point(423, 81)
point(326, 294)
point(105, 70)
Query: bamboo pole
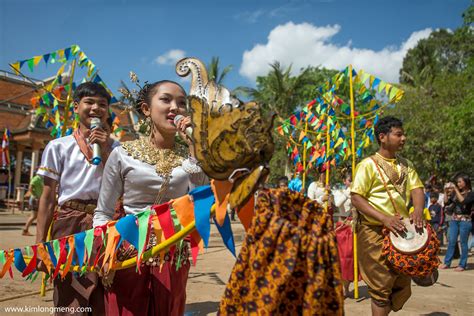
point(304, 154)
point(328, 145)
point(68, 99)
point(354, 234)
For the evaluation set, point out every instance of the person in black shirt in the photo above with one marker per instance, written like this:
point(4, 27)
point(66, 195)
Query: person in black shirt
point(460, 206)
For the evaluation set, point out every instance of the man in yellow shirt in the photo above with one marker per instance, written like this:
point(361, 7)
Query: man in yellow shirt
point(388, 290)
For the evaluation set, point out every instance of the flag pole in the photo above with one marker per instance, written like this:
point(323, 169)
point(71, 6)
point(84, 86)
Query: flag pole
point(354, 234)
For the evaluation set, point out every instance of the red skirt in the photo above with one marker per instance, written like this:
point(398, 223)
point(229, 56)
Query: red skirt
point(345, 247)
point(153, 292)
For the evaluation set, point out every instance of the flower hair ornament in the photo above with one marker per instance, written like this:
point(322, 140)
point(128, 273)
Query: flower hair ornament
point(133, 98)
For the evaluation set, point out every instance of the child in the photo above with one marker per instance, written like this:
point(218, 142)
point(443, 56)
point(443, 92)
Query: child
point(66, 165)
point(437, 217)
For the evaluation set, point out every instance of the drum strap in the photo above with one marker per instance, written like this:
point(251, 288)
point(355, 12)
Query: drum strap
point(385, 185)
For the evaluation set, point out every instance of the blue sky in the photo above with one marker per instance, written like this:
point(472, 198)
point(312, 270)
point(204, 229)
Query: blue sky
point(123, 35)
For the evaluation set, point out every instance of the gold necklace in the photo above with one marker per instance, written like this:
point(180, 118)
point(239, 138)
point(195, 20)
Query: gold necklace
point(164, 160)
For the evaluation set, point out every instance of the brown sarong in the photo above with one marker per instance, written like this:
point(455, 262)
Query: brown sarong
point(289, 263)
point(386, 287)
point(76, 291)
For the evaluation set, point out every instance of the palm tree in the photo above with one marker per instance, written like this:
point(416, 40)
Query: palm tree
point(214, 73)
point(279, 91)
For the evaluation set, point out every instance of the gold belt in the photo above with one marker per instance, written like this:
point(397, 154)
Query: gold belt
point(82, 206)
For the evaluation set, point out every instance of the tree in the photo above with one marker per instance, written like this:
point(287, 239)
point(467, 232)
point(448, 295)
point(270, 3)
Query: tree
point(281, 93)
point(214, 72)
point(437, 109)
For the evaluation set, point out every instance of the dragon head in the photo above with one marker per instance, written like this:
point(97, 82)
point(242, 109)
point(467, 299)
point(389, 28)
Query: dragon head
point(232, 140)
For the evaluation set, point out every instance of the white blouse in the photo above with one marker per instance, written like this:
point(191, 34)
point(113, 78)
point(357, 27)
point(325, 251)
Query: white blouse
point(64, 162)
point(139, 185)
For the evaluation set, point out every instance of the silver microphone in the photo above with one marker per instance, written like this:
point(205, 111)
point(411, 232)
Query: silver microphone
point(96, 155)
point(189, 129)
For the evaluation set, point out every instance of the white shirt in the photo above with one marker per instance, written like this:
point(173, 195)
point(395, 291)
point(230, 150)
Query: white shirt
point(342, 199)
point(64, 162)
point(139, 185)
point(316, 191)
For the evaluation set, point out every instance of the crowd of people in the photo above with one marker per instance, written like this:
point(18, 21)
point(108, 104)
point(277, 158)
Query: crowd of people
point(156, 169)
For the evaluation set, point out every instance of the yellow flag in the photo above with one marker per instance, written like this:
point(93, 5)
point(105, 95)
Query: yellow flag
point(339, 142)
point(37, 59)
point(16, 67)
point(387, 88)
point(371, 81)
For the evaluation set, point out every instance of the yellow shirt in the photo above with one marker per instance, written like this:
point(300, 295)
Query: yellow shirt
point(367, 183)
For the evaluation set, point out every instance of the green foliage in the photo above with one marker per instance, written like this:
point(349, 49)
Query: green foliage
point(280, 92)
point(438, 111)
point(214, 71)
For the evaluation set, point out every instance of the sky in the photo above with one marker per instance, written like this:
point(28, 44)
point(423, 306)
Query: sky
point(148, 37)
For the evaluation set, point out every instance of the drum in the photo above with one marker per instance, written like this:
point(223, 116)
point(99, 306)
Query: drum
point(412, 241)
point(428, 280)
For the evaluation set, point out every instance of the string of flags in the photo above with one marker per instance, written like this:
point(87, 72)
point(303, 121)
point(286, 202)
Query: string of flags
point(306, 129)
point(51, 97)
point(90, 250)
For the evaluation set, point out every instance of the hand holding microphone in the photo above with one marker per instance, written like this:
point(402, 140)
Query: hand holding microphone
point(96, 154)
point(180, 120)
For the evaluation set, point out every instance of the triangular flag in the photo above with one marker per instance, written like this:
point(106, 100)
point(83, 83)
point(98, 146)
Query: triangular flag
point(203, 198)
point(37, 59)
point(46, 58)
point(226, 233)
point(31, 64)
point(19, 263)
point(16, 68)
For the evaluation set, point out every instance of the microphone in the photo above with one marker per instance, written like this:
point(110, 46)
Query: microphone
point(189, 129)
point(96, 155)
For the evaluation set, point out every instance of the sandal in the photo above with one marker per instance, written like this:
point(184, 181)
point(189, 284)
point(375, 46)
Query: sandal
point(443, 267)
point(459, 269)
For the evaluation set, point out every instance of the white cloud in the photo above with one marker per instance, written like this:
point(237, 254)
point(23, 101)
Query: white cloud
point(170, 57)
point(305, 45)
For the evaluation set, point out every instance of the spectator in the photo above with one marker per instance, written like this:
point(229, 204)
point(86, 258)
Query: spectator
point(296, 184)
point(460, 206)
point(34, 191)
point(283, 182)
point(437, 217)
point(316, 190)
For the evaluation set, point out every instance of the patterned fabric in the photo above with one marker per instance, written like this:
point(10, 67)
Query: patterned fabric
point(288, 263)
point(420, 264)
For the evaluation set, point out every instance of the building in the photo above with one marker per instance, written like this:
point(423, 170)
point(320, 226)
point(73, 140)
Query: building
point(29, 135)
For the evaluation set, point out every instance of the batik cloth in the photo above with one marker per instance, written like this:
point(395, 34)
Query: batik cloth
point(289, 263)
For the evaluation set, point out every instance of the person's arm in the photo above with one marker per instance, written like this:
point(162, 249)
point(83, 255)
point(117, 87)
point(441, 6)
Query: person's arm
point(459, 196)
point(393, 223)
point(47, 203)
point(110, 190)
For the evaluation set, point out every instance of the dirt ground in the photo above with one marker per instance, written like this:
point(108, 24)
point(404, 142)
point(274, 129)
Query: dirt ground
point(453, 294)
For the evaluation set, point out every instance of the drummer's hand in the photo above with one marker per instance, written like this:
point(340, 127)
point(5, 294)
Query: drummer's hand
point(394, 224)
point(417, 218)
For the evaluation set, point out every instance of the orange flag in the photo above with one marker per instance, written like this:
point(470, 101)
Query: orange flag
point(221, 191)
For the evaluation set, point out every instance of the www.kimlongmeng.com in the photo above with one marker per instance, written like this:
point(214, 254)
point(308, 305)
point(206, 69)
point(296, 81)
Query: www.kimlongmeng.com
point(46, 309)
